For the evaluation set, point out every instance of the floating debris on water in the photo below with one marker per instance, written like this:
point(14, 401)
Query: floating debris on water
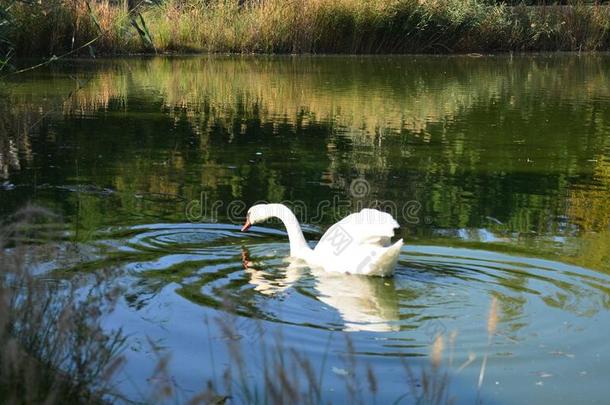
point(7, 186)
point(543, 374)
point(564, 354)
point(340, 371)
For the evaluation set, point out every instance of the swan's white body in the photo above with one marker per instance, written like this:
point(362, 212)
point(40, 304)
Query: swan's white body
point(358, 244)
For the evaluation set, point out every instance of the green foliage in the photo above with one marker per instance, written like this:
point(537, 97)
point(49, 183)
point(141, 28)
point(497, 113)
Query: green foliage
point(140, 25)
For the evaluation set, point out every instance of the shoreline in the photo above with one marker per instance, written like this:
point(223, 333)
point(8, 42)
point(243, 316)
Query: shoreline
point(472, 55)
point(31, 63)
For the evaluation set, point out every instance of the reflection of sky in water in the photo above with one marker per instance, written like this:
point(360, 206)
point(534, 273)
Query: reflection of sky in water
point(479, 234)
point(550, 312)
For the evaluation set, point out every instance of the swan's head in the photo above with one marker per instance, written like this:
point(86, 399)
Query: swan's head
point(257, 214)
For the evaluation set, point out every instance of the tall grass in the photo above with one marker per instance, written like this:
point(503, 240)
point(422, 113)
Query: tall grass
point(306, 26)
point(277, 373)
point(52, 346)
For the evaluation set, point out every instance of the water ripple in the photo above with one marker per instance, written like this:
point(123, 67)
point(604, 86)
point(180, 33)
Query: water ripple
point(433, 285)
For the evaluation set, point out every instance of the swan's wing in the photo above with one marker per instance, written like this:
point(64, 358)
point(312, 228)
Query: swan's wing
point(367, 227)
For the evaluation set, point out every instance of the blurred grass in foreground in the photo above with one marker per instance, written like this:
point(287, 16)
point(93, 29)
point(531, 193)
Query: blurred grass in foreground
point(52, 346)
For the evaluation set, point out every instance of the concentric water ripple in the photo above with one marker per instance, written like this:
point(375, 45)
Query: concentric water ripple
point(435, 289)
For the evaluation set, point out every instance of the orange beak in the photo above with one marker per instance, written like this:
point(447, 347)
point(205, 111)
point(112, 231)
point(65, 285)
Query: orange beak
point(246, 226)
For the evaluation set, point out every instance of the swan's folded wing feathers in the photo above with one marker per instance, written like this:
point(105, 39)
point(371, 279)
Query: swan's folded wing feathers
point(369, 224)
point(367, 227)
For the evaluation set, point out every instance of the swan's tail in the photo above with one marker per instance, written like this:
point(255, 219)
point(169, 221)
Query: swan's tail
point(386, 263)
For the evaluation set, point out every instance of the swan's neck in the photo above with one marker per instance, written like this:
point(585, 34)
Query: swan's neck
point(298, 244)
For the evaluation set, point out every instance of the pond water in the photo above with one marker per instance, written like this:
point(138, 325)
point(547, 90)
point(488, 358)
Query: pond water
point(497, 169)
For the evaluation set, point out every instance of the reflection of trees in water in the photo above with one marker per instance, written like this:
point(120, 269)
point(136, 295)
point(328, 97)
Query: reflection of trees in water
point(366, 95)
point(14, 137)
point(588, 208)
point(469, 140)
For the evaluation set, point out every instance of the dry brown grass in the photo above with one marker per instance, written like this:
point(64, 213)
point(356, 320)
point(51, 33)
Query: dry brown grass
point(307, 26)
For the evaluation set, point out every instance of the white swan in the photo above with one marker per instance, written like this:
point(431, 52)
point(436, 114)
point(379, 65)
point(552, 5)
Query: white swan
point(358, 244)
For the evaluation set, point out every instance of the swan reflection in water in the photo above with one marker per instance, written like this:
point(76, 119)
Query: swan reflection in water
point(364, 303)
